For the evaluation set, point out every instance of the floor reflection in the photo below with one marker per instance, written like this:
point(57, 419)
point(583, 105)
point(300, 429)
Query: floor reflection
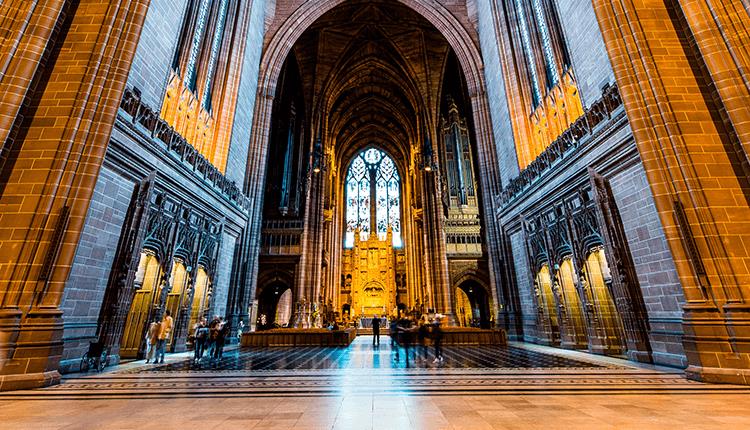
point(362, 355)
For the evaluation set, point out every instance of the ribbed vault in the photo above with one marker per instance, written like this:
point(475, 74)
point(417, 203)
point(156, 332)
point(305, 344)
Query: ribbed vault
point(371, 75)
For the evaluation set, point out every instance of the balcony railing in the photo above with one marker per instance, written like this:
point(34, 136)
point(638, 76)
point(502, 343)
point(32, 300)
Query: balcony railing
point(281, 237)
point(164, 136)
point(576, 136)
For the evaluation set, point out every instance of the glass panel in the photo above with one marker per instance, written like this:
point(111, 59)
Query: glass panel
point(215, 47)
point(200, 25)
point(382, 208)
point(546, 43)
point(387, 197)
point(526, 42)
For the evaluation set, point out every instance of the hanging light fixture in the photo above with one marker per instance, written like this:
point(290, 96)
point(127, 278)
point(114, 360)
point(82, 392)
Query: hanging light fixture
point(427, 155)
point(318, 156)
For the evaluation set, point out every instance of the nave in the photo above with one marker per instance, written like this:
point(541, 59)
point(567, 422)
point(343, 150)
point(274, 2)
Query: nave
point(520, 386)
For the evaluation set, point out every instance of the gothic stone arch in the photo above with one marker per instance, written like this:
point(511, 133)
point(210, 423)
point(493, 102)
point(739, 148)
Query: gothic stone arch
point(470, 61)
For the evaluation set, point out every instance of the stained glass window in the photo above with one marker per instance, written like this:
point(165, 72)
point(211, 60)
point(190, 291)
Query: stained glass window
point(373, 175)
point(528, 52)
point(549, 56)
point(215, 48)
point(200, 25)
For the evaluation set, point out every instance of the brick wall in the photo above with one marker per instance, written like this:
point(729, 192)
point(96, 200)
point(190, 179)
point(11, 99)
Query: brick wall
point(587, 50)
point(657, 275)
point(238, 150)
point(156, 47)
point(523, 284)
point(495, 82)
point(223, 275)
point(84, 291)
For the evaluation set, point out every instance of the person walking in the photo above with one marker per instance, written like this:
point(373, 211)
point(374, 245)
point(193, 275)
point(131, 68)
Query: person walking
point(152, 339)
point(200, 335)
point(393, 333)
point(423, 335)
point(165, 330)
point(437, 339)
point(219, 340)
point(376, 331)
point(405, 336)
point(213, 333)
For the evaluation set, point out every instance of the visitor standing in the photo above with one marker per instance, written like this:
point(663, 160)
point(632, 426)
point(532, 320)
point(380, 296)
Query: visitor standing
point(437, 339)
point(221, 328)
point(423, 335)
point(200, 336)
point(376, 331)
point(213, 333)
point(224, 334)
point(152, 339)
point(165, 330)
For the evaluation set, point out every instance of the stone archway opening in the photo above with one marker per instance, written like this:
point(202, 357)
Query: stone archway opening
point(358, 83)
point(350, 84)
point(472, 305)
point(274, 306)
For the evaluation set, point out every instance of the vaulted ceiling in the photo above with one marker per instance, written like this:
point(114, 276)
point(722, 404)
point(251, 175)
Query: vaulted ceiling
point(374, 69)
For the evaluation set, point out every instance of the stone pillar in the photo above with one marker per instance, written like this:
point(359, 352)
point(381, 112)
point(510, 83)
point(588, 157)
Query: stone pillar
point(50, 172)
point(669, 69)
point(721, 29)
point(29, 28)
point(436, 269)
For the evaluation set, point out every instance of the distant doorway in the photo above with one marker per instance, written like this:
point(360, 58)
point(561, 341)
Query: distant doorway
point(472, 305)
point(274, 306)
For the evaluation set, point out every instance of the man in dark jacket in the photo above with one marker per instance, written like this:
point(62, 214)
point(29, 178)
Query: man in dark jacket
point(376, 331)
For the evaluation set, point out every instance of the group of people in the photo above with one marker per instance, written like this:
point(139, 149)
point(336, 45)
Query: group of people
point(206, 336)
point(405, 332)
point(210, 337)
point(159, 332)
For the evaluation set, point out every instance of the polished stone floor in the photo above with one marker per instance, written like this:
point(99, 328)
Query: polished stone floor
point(518, 387)
point(363, 355)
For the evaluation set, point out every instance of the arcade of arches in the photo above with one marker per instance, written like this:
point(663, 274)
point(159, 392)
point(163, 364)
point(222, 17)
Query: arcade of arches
point(572, 173)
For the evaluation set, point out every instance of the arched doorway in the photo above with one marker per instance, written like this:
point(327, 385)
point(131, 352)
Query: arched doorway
point(472, 305)
point(547, 307)
point(201, 296)
point(274, 306)
point(574, 329)
point(146, 283)
point(599, 281)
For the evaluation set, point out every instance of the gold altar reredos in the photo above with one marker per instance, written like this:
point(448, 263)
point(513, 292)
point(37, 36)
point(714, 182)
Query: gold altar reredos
point(371, 269)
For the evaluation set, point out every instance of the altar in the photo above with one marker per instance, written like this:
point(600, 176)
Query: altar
point(370, 276)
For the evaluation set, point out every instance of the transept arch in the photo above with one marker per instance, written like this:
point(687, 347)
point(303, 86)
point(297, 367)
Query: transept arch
point(333, 128)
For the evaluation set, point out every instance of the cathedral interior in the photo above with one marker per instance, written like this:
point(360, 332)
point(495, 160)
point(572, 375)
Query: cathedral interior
point(557, 190)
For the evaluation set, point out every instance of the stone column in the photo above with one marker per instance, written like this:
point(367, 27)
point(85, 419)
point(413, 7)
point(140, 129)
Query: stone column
point(30, 28)
point(721, 29)
point(436, 269)
point(694, 164)
point(49, 177)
